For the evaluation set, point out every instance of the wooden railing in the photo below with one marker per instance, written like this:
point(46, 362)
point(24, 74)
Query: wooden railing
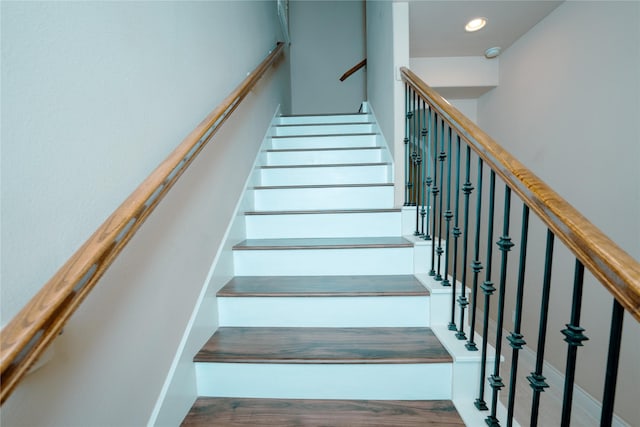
point(439, 140)
point(353, 69)
point(29, 333)
point(612, 266)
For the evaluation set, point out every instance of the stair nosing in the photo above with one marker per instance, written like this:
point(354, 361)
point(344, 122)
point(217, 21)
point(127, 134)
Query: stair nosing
point(283, 150)
point(324, 211)
point(321, 243)
point(323, 124)
point(224, 294)
point(323, 286)
point(325, 165)
point(283, 187)
point(324, 114)
point(325, 135)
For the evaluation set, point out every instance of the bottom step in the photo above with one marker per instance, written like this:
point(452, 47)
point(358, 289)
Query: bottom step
point(280, 412)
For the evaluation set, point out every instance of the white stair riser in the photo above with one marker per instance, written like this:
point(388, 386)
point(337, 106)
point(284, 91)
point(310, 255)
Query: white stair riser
point(323, 129)
point(325, 381)
point(374, 197)
point(361, 224)
point(323, 157)
point(333, 141)
point(329, 312)
point(322, 119)
point(323, 262)
point(369, 174)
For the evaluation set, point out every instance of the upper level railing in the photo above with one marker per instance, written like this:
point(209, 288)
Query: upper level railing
point(353, 69)
point(29, 333)
point(438, 162)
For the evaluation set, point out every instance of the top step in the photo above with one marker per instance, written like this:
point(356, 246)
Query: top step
point(323, 118)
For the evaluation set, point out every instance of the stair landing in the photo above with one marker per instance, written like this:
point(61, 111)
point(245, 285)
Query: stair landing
point(234, 412)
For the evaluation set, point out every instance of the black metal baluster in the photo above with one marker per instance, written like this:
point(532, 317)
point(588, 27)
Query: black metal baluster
point(505, 245)
point(448, 216)
point(418, 178)
point(467, 188)
point(407, 151)
point(516, 340)
point(428, 180)
point(488, 289)
point(425, 162)
point(574, 337)
point(456, 235)
point(477, 265)
point(414, 154)
point(434, 191)
point(615, 339)
point(536, 379)
point(441, 157)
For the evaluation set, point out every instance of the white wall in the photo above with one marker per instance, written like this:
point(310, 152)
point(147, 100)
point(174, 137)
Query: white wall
point(468, 107)
point(380, 70)
point(387, 51)
point(567, 106)
point(94, 96)
point(327, 39)
point(460, 77)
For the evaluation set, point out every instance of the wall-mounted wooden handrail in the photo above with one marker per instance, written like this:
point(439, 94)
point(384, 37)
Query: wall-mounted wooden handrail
point(353, 69)
point(612, 266)
point(30, 332)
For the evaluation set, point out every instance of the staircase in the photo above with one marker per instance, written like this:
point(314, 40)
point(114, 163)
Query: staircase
point(327, 320)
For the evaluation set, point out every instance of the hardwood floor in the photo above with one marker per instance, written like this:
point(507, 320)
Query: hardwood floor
point(315, 413)
point(323, 345)
point(322, 286)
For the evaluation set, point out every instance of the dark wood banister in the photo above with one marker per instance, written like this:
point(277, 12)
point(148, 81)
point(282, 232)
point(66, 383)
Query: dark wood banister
point(612, 266)
point(353, 69)
point(29, 333)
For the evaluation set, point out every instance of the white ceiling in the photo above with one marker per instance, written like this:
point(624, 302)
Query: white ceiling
point(437, 27)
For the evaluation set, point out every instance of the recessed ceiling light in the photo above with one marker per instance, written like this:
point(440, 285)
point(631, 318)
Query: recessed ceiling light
point(492, 52)
point(475, 24)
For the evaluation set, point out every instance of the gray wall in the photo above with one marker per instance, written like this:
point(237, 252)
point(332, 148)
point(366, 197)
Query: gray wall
point(327, 39)
point(567, 106)
point(94, 97)
point(387, 51)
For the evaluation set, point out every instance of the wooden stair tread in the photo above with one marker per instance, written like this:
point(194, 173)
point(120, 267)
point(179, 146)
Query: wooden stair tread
point(323, 124)
point(324, 243)
point(324, 211)
point(280, 187)
point(323, 135)
point(323, 286)
point(323, 346)
point(282, 150)
point(324, 114)
point(327, 165)
point(238, 412)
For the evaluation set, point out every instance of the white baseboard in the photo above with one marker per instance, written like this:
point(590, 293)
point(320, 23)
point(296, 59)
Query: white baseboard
point(582, 400)
point(588, 405)
point(179, 389)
